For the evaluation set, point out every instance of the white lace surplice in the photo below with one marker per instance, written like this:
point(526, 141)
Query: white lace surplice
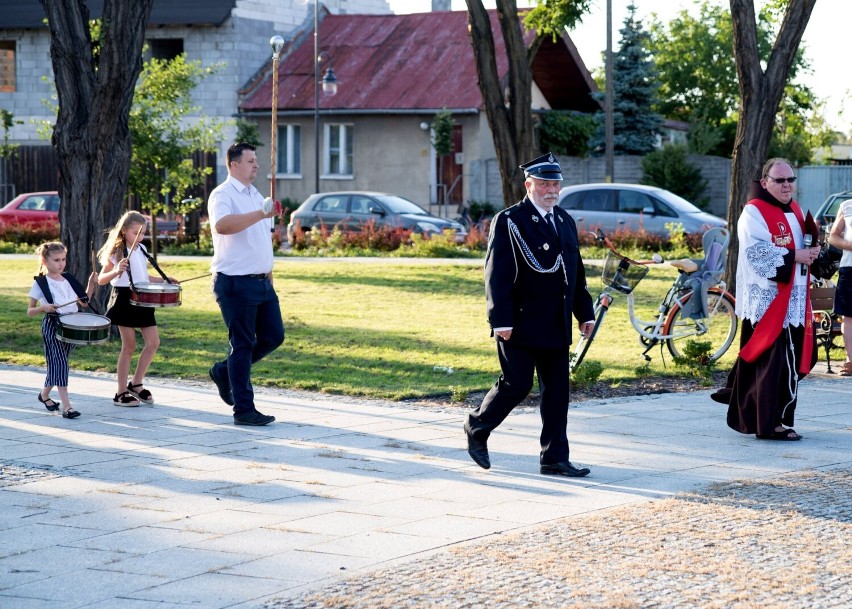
point(759, 259)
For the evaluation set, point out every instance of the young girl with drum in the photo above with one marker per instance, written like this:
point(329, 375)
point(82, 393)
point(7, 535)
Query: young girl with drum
point(56, 293)
point(125, 263)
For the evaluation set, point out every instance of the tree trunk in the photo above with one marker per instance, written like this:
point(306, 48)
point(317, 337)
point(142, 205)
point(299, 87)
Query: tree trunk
point(95, 86)
point(760, 97)
point(510, 116)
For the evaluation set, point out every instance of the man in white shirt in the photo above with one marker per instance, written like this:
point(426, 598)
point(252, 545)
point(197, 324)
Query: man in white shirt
point(242, 282)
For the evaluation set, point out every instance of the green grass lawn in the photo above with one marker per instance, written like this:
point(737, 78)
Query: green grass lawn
point(384, 329)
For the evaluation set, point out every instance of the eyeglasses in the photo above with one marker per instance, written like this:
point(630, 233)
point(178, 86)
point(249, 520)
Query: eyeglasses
point(782, 180)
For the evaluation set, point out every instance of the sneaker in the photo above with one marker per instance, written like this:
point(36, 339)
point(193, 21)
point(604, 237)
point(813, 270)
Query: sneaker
point(252, 417)
point(223, 385)
point(125, 399)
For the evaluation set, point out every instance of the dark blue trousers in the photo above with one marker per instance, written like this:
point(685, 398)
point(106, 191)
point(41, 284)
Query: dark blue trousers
point(519, 365)
point(252, 315)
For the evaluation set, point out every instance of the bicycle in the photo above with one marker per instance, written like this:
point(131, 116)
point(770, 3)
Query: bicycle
point(679, 316)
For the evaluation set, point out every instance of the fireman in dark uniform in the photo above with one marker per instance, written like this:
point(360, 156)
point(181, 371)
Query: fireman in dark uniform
point(534, 283)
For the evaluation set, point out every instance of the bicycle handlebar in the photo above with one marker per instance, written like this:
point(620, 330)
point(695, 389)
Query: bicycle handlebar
point(601, 237)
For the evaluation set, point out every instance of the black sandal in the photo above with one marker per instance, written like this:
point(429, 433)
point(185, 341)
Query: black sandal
point(70, 414)
point(144, 395)
point(787, 434)
point(125, 399)
point(49, 403)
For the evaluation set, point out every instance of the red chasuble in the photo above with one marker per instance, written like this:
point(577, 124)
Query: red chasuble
point(769, 328)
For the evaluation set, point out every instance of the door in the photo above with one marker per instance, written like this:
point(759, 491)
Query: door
point(450, 186)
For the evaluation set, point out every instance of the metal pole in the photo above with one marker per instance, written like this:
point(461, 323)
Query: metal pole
point(277, 44)
point(609, 119)
point(316, 99)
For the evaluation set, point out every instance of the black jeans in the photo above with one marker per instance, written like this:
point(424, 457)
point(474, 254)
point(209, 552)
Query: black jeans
point(251, 312)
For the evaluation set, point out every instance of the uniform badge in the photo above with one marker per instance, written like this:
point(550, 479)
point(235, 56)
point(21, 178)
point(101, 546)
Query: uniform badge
point(534, 218)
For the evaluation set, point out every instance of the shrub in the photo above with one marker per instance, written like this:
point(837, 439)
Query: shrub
point(696, 359)
point(586, 374)
point(480, 210)
point(670, 168)
point(23, 235)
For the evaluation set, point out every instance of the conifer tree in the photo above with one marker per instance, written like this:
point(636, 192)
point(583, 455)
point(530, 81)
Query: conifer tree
point(635, 86)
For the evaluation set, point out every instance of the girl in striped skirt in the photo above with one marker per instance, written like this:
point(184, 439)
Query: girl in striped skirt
point(52, 286)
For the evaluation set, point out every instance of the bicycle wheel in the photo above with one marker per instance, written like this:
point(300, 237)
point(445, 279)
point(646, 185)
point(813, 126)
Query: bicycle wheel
point(583, 343)
point(719, 328)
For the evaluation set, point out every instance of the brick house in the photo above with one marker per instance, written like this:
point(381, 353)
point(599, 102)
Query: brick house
point(395, 72)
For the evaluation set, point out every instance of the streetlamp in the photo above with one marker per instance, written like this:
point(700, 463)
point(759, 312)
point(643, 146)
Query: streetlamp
point(329, 87)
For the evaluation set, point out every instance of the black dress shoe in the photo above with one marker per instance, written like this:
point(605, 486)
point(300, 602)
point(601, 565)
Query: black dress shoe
point(477, 449)
point(224, 387)
point(252, 418)
point(564, 469)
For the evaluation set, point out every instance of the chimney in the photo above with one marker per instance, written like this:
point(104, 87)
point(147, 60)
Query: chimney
point(441, 5)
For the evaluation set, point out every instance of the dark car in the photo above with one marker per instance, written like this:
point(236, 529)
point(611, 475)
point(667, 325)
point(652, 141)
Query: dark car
point(32, 209)
point(613, 207)
point(827, 212)
point(352, 210)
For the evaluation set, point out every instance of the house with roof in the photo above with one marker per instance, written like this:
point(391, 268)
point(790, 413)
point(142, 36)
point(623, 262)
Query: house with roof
point(232, 33)
point(394, 74)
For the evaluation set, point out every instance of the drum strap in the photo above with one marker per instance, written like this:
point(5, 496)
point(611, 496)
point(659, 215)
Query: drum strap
point(41, 280)
point(151, 260)
point(155, 265)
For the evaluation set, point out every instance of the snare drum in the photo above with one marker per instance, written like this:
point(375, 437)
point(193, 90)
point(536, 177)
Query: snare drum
point(155, 295)
point(83, 328)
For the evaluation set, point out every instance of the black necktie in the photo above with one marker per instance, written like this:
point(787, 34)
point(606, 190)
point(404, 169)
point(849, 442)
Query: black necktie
point(549, 219)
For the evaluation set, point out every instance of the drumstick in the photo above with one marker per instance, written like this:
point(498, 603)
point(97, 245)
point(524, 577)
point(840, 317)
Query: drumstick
point(65, 304)
point(193, 278)
point(138, 233)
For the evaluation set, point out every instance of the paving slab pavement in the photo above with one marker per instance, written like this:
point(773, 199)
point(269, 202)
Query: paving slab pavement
point(171, 505)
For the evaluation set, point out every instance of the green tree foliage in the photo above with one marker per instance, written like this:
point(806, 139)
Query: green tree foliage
point(635, 86)
point(508, 101)
point(566, 133)
point(166, 133)
point(442, 132)
point(697, 70)
point(248, 132)
point(7, 121)
point(669, 168)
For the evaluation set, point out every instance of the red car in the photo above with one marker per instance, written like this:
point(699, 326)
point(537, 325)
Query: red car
point(31, 209)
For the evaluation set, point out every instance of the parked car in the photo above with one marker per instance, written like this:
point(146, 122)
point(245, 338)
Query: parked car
point(32, 209)
point(352, 210)
point(613, 207)
point(827, 212)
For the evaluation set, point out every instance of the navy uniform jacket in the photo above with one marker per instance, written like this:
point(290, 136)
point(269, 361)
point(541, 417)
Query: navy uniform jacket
point(536, 305)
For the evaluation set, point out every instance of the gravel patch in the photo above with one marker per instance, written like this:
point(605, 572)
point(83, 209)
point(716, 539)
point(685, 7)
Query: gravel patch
point(781, 542)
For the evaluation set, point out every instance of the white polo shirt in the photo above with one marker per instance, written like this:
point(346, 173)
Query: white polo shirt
point(248, 252)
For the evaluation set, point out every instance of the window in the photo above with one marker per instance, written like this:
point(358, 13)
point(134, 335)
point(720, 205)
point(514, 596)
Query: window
point(360, 204)
point(663, 209)
point(164, 48)
point(599, 200)
point(572, 201)
point(7, 66)
point(338, 156)
point(333, 203)
point(632, 202)
point(289, 161)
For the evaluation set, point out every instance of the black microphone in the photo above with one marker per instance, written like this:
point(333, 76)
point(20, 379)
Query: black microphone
point(808, 238)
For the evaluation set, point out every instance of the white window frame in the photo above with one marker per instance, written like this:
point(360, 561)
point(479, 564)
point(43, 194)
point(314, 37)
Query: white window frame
point(291, 146)
point(347, 158)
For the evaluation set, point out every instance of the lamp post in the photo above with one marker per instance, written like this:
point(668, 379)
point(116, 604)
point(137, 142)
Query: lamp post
point(329, 87)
